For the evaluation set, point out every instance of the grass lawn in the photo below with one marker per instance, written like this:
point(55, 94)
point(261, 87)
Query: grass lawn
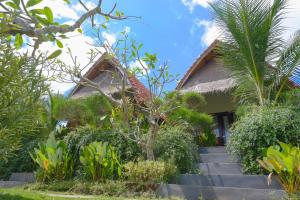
point(21, 194)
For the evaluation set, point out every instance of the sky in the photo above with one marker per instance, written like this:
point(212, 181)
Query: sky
point(177, 30)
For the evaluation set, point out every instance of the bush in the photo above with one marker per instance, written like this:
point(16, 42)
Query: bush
point(176, 144)
point(255, 131)
point(207, 139)
point(100, 162)
point(149, 171)
point(75, 140)
point(53, 160)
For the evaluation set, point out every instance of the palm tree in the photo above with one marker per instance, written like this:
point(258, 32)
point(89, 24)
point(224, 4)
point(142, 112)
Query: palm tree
point(253, 47)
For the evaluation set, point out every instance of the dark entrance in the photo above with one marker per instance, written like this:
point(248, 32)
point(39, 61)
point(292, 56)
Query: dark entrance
point(223, 121)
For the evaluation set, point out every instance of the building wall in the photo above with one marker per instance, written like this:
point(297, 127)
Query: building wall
point(212, 71)
point(109, 80)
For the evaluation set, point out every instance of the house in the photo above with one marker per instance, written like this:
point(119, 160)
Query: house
point(112, 79)
point(208, 76)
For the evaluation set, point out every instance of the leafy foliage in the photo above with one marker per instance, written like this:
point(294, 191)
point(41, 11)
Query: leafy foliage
point(149, 171)
point(186, 108)
point(177, 145)
point(100, 161)
point(53, 160)
point(22, 112)
point(92, 110)
point(252, 40)
point(207, 139)
point(285, 163)
point(77, 139)
point(255, 131)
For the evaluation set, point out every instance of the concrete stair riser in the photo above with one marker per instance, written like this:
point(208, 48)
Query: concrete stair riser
point(237, 181)
point(219, 168)
point(206, 150)
point(218, 193)
point(217, 158)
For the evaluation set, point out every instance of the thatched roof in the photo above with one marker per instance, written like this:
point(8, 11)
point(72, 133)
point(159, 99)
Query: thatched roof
point(213, 86)
point(107, 64)
point(220, 85)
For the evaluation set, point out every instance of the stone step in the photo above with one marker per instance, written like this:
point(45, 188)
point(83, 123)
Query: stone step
point(22, 177)
point(219, 168)
point(9, 184)
point(191, 192)
point(217, 158)
point(238, 181)
point(207, 150)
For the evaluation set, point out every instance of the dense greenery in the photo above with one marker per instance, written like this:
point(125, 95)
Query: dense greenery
point(286, 164)
point(177, 145)
point(255, 131)
point(126, 148)
point(149, 171)
point(100, 162)
point(186, 108)
point(54, 161)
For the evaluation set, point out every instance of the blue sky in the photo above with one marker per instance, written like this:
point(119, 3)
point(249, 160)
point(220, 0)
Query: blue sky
point(177, 30)
point(168, 28)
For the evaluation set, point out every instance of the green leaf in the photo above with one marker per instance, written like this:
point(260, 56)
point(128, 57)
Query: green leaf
point(104, 26)
point(59, 44)
point(11, 4)
point(54, 54)
point(33, 3)
point(18, 41)
point(49, 14)
point(17, 2)
point(79, 30)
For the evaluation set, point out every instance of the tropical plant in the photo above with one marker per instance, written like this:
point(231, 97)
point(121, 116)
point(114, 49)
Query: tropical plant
point(178, 145)
point(82, 136)
point(53, 160)
point(149, 171)
point(207, 139)
point(100, 161)
point(254, 50)
point(259, 128)
point(22, 84)
point(285, 164)
point(186, 108)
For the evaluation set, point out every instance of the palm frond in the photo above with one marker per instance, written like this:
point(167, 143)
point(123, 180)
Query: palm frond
point(252, 35)
point(287, 64)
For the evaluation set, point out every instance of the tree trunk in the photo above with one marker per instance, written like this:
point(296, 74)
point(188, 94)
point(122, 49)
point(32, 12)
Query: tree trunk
point(151, 140)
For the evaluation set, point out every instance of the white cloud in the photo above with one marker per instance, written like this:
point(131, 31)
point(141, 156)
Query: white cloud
point(191, 4)
point(110, 38)
point(60, 9)
point(291, 23)
point(79, 45)
point(211, 31)
point(79, 8)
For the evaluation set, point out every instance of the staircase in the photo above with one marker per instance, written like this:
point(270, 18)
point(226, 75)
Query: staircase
point(221, 178)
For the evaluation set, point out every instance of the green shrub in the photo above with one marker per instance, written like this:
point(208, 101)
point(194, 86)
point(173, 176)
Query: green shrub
point(177, 144)
point(75, 140)
point(259, 129)
point(207, 139)
point(149, 171)
point(100, 162)
point(53, 160)
point(285, 163)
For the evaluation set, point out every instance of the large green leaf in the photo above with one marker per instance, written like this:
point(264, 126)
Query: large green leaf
point(49, 14)
point(18, 41)
point(33, 3)
point(54, 54)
